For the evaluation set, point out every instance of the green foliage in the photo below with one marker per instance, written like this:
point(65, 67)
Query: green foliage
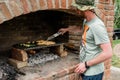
point(115, 42)
point(117, 14)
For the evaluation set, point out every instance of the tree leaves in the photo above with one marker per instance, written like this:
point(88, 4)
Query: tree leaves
point(117, 14)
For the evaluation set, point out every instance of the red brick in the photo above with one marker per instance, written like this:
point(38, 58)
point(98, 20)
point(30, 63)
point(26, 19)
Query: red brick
point(75, 33)
point(15, 7)
point(107, 74)
point(5, 11)
point(63, 78)
point(110, 23)
point(72, 76)
point(34, 5)
point(101, 14)
point(100, 6)
point(49, 78)
point(70, 2)
point(107, 62)
point(39, 78)
point(1, 18)
point(102, 11)
point(61, 73)
point(104, 1)
point(109, 7)
point(49, 3)
point(42, 4)
point(110, 18)
point(110, 29)
point(109, 12)
point(63, 4)
point(71, 69)
point(110, 34)
point(74, 37)
point(25, 6)
point(108, 66)
point(77, 76)
point(111, 40)
point(73, 42)
point(57, 4)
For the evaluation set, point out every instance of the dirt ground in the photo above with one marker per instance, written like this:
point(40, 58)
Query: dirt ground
point(115, 72)
point(116, 50)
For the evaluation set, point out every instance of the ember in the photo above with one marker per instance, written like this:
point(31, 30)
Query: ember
point(42, 56)
point(7, 72)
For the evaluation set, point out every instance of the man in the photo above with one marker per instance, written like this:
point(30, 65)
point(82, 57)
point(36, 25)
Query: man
point(95, 45)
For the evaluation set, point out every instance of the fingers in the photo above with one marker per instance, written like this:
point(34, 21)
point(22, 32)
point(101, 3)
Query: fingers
point(77, 70)
point(80, 68)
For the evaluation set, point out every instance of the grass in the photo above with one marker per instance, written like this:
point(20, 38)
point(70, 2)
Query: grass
point(115, 42)
point(115, 59)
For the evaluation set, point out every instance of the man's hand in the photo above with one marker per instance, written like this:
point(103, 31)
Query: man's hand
point(80, 68)
point(70, 29)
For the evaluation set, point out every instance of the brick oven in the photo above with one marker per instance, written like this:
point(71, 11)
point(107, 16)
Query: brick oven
point(30, 20)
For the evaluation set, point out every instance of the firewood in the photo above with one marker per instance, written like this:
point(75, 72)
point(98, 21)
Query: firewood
point(17, 64)
point(19, 54)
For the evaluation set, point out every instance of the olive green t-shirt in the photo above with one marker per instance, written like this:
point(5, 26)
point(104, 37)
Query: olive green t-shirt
point(94, 34)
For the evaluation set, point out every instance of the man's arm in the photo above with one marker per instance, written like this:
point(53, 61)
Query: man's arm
point(104, 55)
point(70, 29)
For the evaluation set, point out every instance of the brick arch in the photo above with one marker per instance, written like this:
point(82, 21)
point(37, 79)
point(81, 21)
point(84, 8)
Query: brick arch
point(12, 8)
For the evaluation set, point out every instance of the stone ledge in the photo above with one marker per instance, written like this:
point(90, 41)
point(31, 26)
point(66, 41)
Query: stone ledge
point(54, 70)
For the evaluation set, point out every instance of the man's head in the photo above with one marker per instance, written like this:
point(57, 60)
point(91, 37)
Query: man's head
point(83, 5)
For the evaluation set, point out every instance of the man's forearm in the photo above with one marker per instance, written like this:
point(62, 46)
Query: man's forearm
point(100, 58)
point(104, 55)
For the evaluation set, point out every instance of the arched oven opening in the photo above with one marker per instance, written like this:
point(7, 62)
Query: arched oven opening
point(34, 26)
point(18, 37)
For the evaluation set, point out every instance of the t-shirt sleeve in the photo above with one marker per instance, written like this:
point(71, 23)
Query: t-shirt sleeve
point(100, 34)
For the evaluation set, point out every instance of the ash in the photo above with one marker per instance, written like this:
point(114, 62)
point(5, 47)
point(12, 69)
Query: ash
point(7, 72)
point(42, 56)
